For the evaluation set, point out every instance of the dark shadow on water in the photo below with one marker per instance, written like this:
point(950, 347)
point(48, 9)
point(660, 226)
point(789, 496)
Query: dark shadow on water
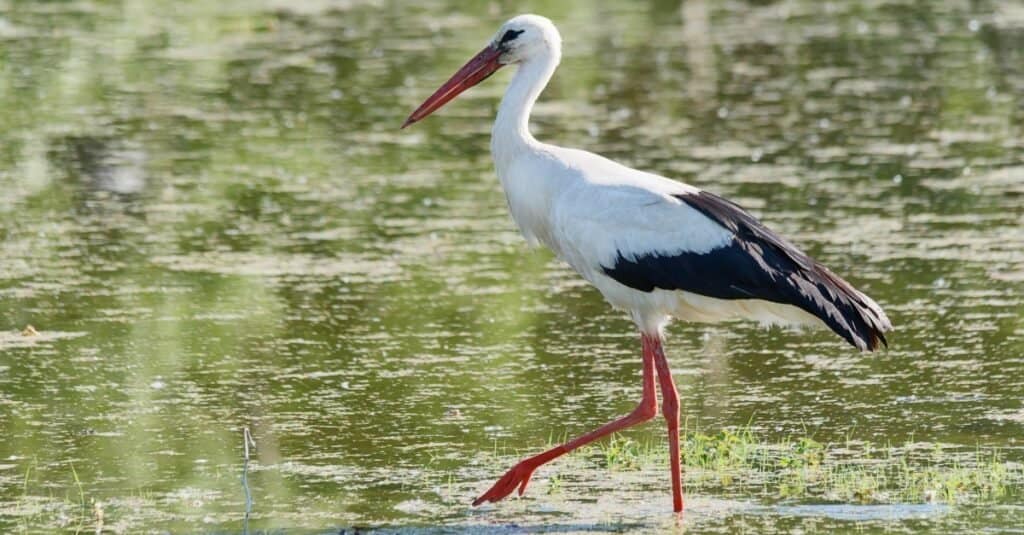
point(100, 163)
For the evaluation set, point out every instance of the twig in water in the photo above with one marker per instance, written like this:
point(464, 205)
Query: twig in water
point(247, 441)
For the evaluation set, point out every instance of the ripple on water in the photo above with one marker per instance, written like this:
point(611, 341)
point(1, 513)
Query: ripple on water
point(861, 513)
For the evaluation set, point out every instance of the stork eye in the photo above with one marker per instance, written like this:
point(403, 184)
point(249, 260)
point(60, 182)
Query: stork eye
point(509, 36)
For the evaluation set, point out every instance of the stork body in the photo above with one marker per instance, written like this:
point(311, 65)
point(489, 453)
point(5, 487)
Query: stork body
point(654, 247)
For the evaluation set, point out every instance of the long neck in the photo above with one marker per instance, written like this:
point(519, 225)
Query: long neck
point(511, 132)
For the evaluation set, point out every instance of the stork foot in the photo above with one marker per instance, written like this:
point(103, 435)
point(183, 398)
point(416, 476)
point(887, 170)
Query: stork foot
point(519, 476)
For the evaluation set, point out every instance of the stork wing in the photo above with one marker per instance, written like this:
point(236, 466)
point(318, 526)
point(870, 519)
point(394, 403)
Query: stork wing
point(701, 243)
point(601, 223)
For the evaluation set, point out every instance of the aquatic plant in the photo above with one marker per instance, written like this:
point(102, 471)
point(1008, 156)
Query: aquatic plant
point(740, 461)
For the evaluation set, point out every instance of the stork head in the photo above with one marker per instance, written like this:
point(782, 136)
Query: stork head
point(519, 40)
point(526, 36)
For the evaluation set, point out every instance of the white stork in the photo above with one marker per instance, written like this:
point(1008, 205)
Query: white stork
point(654, 247)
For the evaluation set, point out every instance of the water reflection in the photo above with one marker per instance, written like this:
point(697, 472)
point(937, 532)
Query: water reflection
point(98, 165)
point(213, 222)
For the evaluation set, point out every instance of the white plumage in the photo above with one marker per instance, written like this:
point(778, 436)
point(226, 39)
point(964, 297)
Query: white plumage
point(589, 209)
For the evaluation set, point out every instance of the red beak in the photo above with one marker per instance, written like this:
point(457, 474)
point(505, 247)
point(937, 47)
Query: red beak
point(473, 72)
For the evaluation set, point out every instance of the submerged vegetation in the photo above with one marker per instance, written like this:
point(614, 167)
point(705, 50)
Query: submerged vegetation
point(742, 461)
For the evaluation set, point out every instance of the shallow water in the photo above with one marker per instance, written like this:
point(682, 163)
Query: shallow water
point(212, 221)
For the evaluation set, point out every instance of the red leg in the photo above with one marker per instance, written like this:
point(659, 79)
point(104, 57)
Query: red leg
point(520, 474)
point(670, 409)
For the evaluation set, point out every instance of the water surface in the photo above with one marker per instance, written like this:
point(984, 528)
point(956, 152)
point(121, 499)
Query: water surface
point(212, 221)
